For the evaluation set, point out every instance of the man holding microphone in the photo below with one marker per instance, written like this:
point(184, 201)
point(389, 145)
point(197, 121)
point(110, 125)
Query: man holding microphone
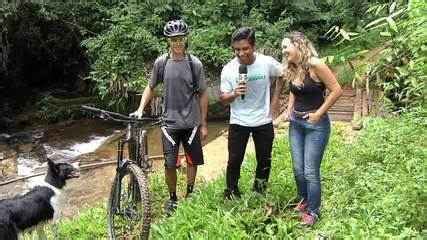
point(247, 85)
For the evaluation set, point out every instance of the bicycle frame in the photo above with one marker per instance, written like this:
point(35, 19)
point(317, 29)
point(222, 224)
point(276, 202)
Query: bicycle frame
point(135, 137)
point(136, 141)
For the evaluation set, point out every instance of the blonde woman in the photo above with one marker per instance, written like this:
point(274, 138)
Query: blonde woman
point(309, 127)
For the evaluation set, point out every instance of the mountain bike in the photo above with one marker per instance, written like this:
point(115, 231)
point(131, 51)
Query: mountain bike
point(129, 204)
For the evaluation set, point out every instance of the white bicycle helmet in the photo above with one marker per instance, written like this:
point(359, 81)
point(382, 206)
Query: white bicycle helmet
point(175, 28)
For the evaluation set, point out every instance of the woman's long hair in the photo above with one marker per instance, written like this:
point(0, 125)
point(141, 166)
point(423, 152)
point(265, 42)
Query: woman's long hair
point(296, 72)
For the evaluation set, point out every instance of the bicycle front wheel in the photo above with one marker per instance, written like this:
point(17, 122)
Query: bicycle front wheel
point(129, 206)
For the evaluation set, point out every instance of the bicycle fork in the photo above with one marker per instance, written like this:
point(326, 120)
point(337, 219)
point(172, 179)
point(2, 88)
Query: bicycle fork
point(138, 154)
point(143, 161)
point(122, 164)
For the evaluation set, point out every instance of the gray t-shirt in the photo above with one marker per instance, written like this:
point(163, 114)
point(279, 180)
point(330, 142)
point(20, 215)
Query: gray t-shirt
point(182, 106)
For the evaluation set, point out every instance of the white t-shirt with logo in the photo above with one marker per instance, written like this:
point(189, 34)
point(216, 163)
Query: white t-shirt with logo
point(254, 110)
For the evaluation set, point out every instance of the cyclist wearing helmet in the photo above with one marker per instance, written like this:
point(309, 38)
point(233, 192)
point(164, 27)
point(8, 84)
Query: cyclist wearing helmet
point(185, 103)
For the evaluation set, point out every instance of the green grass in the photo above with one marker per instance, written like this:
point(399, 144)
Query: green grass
point(91, 224)
point(372, 188)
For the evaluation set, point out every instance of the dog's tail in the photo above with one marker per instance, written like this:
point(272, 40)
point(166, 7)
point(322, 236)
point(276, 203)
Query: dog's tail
point(8, 231)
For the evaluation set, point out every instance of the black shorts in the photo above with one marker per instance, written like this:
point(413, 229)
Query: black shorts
point(190, 139)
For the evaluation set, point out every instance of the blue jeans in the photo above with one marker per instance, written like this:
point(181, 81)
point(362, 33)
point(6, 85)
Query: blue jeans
point(308, 142)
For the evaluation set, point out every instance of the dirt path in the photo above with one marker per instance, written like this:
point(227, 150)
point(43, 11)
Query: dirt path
point(98, 181)
point(216, 156)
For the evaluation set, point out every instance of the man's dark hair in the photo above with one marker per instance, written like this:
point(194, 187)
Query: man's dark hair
point(244, 33)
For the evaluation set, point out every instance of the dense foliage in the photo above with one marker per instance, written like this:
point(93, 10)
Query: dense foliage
point(396, 36)
point(120, 56)
point(402, 69)
point(373, 187)
point(39, 52)
point(44, 44)
point(119, 66)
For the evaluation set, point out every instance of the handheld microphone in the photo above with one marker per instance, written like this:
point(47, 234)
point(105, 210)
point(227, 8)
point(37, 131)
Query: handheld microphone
point(243, 76)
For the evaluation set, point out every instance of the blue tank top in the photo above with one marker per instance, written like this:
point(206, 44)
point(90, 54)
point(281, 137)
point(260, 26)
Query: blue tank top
point(309, 96)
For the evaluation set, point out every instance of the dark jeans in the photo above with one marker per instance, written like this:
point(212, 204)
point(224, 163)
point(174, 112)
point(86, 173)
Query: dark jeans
point(237, 140)
point(308, 142)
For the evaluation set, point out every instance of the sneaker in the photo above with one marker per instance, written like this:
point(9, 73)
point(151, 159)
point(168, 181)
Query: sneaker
point(190, 189)
point(170, 207)
point(259, 186)
point(231, 194)
point(301, 206)
point(309, 219)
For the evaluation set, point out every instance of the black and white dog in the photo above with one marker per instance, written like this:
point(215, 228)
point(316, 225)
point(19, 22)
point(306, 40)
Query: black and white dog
point(38, 205)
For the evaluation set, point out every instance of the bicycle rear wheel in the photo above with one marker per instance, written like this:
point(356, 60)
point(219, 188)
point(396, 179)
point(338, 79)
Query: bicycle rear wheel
point(129, 206)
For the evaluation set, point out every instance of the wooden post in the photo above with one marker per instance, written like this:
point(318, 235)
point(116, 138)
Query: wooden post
point(365, 109)
point(357, 114)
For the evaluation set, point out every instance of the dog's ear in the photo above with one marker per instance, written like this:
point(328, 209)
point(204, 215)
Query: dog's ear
point(51, 164)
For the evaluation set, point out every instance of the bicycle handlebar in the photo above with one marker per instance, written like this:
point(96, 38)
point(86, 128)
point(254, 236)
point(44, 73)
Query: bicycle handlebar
point(117, 117)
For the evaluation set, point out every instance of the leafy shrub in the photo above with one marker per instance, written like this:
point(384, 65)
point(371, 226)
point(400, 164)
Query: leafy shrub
point(120, 56)
point(211, 23)
point(90, 17)
point(268, 35)
point(345, 75)
point(211, 45)
point(400, 67)
point(402, 70)
point(43, 51)
point(125, 37)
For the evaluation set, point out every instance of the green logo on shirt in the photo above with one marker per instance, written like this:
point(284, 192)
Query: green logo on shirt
point(256, 77)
